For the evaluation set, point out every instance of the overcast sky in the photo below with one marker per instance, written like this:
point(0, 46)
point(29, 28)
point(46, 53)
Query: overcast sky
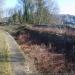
point(10, 3)
point(65, 6)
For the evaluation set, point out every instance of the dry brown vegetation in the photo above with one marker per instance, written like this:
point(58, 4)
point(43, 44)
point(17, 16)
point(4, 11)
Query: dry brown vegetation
point(45, 62)
point(51, 53)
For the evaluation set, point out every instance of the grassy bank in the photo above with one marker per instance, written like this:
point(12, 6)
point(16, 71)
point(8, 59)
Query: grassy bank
point(5, 66)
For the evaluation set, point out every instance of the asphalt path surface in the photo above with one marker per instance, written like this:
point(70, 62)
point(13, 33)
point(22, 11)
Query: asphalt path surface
point(18, 60)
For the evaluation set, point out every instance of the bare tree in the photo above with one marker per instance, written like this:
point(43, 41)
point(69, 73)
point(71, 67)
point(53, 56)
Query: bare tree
point(46, 11)
point(37, 12)
point(1, 9)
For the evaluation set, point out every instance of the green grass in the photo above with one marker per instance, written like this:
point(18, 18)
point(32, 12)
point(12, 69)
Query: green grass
point(5, 66)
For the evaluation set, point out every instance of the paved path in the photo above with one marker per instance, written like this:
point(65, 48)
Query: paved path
point(16, 56)
point(18, 61)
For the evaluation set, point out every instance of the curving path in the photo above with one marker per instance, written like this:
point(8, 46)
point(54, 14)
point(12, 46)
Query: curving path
point(18, 62)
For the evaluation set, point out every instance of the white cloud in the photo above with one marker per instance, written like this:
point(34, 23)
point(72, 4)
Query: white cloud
point(67, 6)
point(10, 3)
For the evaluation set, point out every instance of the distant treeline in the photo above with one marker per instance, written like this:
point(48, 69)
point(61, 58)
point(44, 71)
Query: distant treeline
point(35, 12)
